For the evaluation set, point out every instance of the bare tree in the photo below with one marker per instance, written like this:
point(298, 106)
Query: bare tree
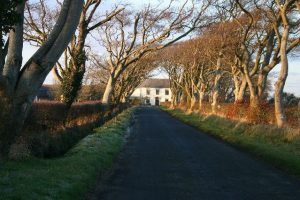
point(20, 84)
point(174, 72)
point(132, 77)
point(257, 47)
point(71, 72)
point(151, 30)
point(283, 37)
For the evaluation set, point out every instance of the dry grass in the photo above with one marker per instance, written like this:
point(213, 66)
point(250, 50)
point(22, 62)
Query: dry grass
point(264, 114)
point(279, 146)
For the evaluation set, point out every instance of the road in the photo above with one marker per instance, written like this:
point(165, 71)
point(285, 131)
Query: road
point(168, 160)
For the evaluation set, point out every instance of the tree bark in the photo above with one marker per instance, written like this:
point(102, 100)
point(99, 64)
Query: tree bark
point(254, 102)
point(174, 99)
point(107, 96)
point(192, 104)
point(261, 84)
point(216, 89)
point(215, 95)
point(279, 85)
point(201, 98)
point(241, 92)
point(18, 87)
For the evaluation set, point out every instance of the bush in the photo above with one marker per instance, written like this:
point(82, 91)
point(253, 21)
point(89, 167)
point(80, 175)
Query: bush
point(166, 104)
point(51, 131)
point(235, 110)
point(53, 114)
point(263, 114)
point(70, 176)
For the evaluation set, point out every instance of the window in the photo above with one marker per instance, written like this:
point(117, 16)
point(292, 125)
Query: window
point(147, 101)
point(167, 92)
point(148, 91)
point(157, 91)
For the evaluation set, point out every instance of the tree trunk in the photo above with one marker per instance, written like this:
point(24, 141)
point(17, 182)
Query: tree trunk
point(192, 104)
point(173, 102)
point(216, 90)
point(241, 92)
point(107, 96)
point(215, 95)
point(236, 87)
point(174, 98)
point(71, 83)
point(201, 98)
point(183, 99)
point(18, 87)
point(279, 85)
point(254, 102)
point(261, 84)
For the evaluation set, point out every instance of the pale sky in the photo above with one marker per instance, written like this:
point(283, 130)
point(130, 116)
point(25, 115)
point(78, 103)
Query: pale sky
point(293, 80)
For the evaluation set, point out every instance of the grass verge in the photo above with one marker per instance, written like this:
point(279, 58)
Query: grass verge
point(277, 146)
point(70, 176)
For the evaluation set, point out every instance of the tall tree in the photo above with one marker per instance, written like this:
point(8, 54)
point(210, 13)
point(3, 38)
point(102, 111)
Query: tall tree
point(151, 30)
point(132, 77)
point(283, 37)
point(20, 84)
point(71, 72)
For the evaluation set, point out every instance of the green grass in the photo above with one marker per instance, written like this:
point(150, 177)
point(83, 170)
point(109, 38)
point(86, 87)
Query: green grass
point(70, 176)
point(281, 147)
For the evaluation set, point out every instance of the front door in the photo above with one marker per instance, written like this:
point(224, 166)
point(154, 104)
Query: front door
point(156, 101)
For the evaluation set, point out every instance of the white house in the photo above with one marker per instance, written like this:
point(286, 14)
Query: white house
point(153, 91)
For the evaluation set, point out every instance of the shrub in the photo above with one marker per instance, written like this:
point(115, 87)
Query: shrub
point(262, 114)
point(165, 104)
point(20, 150)
point(51, 131)
point(235, 110)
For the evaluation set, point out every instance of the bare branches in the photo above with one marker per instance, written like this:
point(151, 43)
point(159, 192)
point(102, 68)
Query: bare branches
point(151, 30)
point(39, 21)
point(100, 23)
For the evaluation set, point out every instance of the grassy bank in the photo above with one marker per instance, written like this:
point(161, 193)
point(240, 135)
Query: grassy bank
point(277, 146)
point(70, 176)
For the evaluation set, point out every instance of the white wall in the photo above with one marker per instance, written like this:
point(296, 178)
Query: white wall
point(142, 94)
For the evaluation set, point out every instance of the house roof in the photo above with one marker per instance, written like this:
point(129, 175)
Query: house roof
point(155, 83)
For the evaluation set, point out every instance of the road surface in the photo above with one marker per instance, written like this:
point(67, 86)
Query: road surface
point(168, 160)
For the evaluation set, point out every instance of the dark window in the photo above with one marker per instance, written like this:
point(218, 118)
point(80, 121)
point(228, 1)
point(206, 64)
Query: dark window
point(167, 92)
point(157, 91)
point(157, 101)
point(148, 91)
point(147, 101)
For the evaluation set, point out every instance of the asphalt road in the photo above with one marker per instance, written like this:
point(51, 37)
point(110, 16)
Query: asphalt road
point(166, 159)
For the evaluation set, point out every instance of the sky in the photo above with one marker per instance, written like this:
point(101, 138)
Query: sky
point(293, 80)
